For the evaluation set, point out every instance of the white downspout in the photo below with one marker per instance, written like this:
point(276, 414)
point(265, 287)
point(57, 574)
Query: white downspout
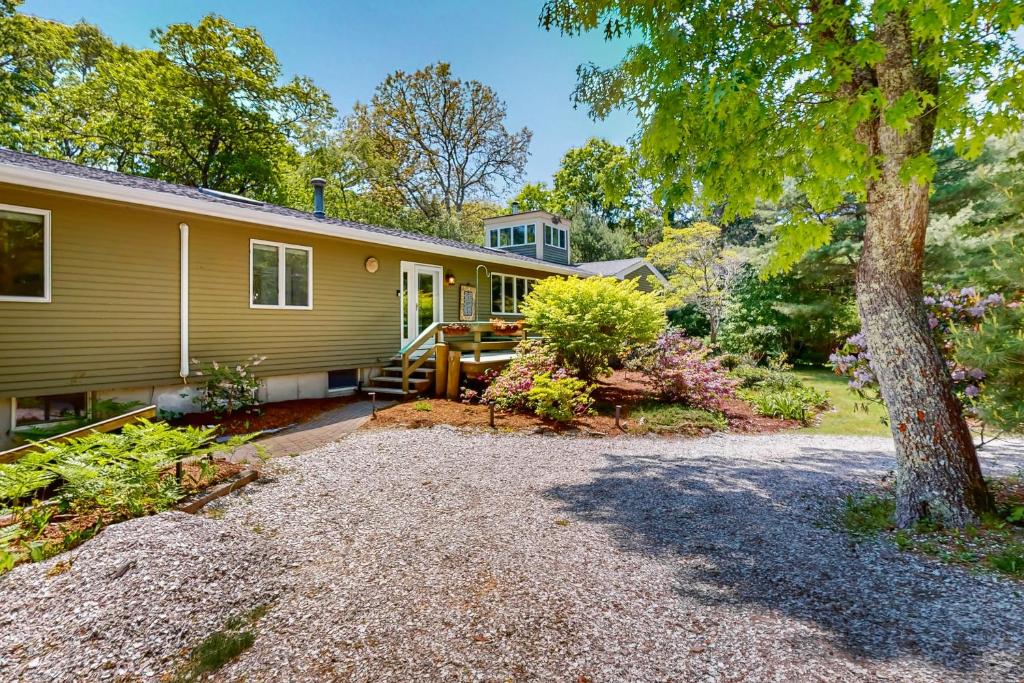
point(183, 306)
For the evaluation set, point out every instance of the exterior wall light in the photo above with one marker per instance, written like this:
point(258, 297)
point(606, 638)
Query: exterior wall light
point(449, 279)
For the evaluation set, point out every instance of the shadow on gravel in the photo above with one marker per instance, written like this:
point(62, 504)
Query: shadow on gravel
point(753, 534)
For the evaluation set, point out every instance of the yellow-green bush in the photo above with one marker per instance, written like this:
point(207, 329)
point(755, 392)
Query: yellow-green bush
point(590, 321)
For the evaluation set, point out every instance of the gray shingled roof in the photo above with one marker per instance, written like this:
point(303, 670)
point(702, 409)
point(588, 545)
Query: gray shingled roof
point(610, 267)
point(11, 158)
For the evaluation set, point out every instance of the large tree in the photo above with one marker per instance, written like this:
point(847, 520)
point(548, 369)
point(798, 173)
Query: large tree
point(603, 179)
point(208, 106)
point(701, 270)
point(844, 98)
point(437, 140)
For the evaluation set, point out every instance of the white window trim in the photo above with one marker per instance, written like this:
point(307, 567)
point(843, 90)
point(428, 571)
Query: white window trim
point(494, 243)
point(47, 271)
point(552, 229)
point(515, 292)
point(282, 275)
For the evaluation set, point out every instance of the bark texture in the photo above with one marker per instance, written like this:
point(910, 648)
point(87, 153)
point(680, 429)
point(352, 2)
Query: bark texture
point(937, 472)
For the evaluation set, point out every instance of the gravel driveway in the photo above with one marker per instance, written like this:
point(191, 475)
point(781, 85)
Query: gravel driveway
point(439, 555)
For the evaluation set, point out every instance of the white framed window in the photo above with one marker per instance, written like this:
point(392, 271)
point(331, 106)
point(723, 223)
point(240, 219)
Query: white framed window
point(555, 237)
point(24, 254)
point(280, 275)
point(508, 293)
point(512, 236)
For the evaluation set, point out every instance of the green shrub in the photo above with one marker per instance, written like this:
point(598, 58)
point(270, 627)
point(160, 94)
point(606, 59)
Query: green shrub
point(765, 378)
point(228, 388)
point(588, 322)
point(560, 399)
point(1010, 560)
point(793, 403)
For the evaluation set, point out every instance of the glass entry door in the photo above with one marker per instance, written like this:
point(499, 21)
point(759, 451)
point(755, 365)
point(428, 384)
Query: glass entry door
point(421, 299)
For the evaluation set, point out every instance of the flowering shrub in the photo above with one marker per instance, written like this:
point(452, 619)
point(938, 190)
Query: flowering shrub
point(228, 388)
point(948, 313)
point(560, 399)
point(679, 369)
point(510, 388)
point(534, 382)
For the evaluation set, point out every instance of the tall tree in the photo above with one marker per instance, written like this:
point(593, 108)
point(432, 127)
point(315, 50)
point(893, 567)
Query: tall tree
point(701, 272)
point(437, 140)
point(604, 179)
point(222, 117)
point(844, 98)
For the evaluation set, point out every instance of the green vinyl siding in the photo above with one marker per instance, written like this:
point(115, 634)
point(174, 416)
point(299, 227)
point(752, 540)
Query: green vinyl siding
point(114, 317)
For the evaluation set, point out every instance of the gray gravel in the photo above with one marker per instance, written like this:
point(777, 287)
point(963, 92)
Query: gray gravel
point(441, 555)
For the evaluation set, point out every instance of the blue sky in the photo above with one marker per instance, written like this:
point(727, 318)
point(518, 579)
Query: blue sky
point(348, 47)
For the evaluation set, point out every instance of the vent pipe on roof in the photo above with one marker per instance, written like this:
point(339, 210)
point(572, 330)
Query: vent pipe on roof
point(515, 207)
point(318, 196)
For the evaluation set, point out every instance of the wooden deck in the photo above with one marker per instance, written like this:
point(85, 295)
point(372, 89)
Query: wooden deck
point(478, 346)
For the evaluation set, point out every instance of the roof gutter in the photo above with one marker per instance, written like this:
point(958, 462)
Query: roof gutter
point(45, 180)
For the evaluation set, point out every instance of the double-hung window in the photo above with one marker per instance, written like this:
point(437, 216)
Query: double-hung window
point(24, 254)
point(281, 275)
point(513, 236)
point(554, 237)
point(508, 293)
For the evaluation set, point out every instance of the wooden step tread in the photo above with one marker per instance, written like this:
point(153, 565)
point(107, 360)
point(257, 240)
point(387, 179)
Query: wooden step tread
point(398, 368)
point(398, 380)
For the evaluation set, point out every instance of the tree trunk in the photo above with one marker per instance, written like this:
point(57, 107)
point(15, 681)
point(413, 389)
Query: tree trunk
point(937, 470)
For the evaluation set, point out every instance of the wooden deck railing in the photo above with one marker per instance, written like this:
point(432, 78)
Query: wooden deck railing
point(476, 345)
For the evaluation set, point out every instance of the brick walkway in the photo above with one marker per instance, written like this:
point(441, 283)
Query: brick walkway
point(326, 428)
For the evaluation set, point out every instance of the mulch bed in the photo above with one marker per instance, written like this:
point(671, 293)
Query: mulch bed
point(266, 415)
point(621, 388)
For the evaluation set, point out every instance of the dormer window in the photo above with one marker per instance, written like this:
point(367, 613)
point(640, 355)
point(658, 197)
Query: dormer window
point(554, 237)
point(512, 236)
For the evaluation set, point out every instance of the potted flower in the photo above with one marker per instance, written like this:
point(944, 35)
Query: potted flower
point(506, 326)
point(456, 329)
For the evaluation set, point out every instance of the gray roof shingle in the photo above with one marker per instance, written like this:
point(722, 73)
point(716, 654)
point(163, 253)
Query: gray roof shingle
point(20, 159)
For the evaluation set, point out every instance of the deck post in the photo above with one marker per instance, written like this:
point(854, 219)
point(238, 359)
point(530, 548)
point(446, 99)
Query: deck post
point(440, 369)
point(454, 371)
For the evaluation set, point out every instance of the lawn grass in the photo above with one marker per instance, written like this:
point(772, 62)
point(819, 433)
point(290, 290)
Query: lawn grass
point(843, 418)
point(653, 416)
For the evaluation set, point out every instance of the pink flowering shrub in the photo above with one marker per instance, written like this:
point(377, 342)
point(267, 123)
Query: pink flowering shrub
point(510, 388)
point(948, 312)
point(680, 370)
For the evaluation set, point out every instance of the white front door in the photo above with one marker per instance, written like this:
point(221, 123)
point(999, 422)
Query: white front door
point(421, 298)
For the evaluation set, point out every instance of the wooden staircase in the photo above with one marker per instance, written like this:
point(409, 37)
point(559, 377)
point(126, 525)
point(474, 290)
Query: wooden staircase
point(421, 380)
point(413, 371)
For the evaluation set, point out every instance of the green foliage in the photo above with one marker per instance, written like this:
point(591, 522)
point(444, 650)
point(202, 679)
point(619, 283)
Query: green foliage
point(435, 141)
point(793, 403)
point(866, 516)
point(560, 399)
point(587, 322)
point(592, 239)
point(206, 107)
point(422, 406)
point(1010, 560)
point(674, 417)
point(790, 100)
point(221, 647)
point(765, 378)
point(227, 388)
point(119, 475)
point(600, 179)
point(701, 272)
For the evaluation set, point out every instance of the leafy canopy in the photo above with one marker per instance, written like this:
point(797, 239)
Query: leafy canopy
point(590, 321)
point(735, 98)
